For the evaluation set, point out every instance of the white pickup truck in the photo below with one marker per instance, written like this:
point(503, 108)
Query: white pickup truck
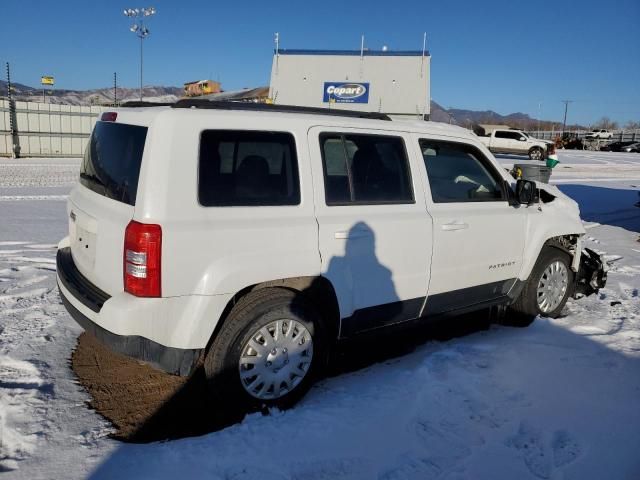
point(514, 142)
point(599, 134)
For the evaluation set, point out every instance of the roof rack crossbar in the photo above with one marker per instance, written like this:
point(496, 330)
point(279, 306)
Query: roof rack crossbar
point(266, 107)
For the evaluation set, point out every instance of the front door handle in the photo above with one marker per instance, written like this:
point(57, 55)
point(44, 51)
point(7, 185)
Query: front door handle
point(448, 227)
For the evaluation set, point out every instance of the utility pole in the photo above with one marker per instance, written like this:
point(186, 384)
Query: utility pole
point(566, 107)
point(13, 124)
point(539, 115)
point(115, 89)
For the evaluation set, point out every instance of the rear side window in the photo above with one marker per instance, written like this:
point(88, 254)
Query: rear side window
point(459, 173)
point(111, 164)
point(247, 168)
point(509, 135)
point(365, 169)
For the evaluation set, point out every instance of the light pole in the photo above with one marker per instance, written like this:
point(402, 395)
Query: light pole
point(139, 28)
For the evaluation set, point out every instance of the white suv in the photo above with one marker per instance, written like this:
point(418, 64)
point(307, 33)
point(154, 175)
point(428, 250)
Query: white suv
point(252, 237)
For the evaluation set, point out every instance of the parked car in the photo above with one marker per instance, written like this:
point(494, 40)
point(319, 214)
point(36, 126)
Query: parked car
point(615, 146)
point(599, 133)
point(249, 238)
point(515, 142)
point(634, 147)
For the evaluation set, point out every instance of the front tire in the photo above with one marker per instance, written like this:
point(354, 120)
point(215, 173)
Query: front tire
point(546, 291)
point(267, 353)
point(536, 154)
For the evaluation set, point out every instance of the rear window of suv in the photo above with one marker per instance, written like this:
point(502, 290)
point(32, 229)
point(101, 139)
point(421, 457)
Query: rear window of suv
point(247, 168)
point(111, 164)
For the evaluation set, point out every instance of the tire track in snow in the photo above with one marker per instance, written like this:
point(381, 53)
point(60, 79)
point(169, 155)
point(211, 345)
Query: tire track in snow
point(18, 198)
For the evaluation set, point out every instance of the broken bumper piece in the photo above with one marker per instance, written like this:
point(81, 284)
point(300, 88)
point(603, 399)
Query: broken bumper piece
point(592, 274)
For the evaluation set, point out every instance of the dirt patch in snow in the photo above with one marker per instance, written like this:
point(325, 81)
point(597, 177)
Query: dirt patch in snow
point(145, 404)
point(142, 403)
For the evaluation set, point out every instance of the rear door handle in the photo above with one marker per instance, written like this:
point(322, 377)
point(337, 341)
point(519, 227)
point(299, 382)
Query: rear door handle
point(456, 225)
point(347, 234)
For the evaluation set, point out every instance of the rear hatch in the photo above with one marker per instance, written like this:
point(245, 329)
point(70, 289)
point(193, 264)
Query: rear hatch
point(102, 205)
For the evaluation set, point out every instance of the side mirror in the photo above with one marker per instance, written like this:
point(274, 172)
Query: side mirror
point(525, 192)
point(523, 139)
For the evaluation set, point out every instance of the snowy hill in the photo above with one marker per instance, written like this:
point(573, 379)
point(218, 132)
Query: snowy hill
point(92, 97)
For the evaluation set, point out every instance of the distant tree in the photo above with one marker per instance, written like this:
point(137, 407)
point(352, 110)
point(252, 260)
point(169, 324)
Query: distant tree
point(631, 125)
point(606, 123)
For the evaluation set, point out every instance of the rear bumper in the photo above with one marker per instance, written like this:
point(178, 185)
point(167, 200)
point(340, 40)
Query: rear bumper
point(81, 299)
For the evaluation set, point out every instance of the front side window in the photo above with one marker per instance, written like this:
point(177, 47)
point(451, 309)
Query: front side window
point(247, 168)
point(365, 169)
point(458, 172)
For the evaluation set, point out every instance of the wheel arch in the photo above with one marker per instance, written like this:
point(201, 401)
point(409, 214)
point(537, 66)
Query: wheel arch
point(568, 243)
point(318, 290)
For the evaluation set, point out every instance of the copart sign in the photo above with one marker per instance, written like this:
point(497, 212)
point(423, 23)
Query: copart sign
point(342, 92)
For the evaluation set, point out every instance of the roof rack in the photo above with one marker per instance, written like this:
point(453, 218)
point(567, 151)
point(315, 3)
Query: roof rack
point(267, 107)
point(142, 103)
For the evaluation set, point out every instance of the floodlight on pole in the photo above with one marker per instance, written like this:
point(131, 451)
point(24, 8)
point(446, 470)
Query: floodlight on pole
point(138, 27)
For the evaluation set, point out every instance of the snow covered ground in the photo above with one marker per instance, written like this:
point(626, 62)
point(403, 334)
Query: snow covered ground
point(559, 399)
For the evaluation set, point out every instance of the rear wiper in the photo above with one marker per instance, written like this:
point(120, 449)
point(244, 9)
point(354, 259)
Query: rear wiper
point(93, 178)
point(111, 188)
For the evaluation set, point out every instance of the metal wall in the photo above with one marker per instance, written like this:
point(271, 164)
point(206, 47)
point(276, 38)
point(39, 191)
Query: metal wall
point(47, 130)
point(398, 81)
point(618, 135)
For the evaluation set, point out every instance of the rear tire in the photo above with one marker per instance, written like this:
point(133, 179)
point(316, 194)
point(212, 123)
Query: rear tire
point(249, 366)
point(546, 291)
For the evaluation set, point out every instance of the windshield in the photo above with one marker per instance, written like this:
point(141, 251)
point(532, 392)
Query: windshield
point(112, 160)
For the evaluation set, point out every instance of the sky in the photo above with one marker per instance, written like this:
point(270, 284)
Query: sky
point(506, 56)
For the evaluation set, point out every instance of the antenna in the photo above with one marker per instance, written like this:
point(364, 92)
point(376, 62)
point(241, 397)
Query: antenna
point(424, 51)
point(277, 40)
point(361, 56)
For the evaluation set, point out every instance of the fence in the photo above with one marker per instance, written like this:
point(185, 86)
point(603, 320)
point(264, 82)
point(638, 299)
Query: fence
point(47, 130)
point(618, 135)
point(50, 130)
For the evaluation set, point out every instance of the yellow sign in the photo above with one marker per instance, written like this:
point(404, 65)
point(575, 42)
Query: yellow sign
point(47, 80)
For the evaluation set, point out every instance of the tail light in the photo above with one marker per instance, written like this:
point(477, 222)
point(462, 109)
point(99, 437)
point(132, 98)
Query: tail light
point(109, 116)
point(142, 259)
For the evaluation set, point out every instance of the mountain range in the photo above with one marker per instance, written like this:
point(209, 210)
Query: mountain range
point(98, 96)
point(101, 96)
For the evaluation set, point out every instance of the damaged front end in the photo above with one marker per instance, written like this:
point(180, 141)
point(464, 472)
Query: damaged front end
point(591, 275)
